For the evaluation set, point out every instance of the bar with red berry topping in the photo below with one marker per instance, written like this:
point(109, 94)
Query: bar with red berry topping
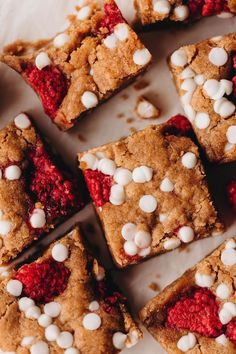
point(197, 312)
point(73, 72)
point(150, 191)
point(64, 303)
point(205, 77)
point(36, 191)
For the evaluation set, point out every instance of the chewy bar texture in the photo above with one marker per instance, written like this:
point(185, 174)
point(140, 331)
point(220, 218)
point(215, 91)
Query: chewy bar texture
point(205, 77)
point(64, 304)
point(196, 313)
point(150, 193)
point(35, 193)
point(154, 11)
point(73, 72)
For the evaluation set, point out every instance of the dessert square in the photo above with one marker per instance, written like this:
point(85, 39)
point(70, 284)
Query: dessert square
point(64, 303)
point(72, 73)
point(196, 313)
point(205, 77)
point(36, 191)
point(150, 12)
point(150, 192)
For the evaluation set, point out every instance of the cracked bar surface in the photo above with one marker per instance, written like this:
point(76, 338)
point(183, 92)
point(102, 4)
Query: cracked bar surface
point(205, 77)
point(73, 72)
point(150, 193)
point(64, 302)
point(196, 313)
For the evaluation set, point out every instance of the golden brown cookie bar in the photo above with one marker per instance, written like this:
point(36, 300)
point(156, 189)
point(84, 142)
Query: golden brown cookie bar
point(150, 193)
point(205, 77)
point(63, 303)
point(154, 11)
point(73, 72)
point(196, 313)
point(36, 191)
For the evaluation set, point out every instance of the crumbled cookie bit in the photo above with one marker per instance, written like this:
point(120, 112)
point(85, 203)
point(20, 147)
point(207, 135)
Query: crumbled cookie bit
point(145, 109)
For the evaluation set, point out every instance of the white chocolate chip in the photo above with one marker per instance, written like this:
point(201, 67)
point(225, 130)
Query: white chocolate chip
point(130, 248)
point(13, 172)
point(211, 87)
point(92, 321)
point(222, 339)
point(44, 320)
point(119, 340)
point(181, 12)
point(71, 351)
point(38, 219)
point(117, 195)
point(202, 120)
point(218, 56)
point(199, 79)
point(143, 239)
point(171, 243)
point(189, 160)
point(133, 338)
point(163, 217)
point(228, 257)
point(84, 13)
point(128, 231)
point(52, 332)
point(186, 234)
point(122, 176)
point(227, 312)
point(22, 121)
point(225, 14)
point(179, 58)
point(14, 287)
point(93, 306)
point(25, 303)
point(224, 107)
point(188, 85)
point(185, 343)
point(60, 40)
point(204, 280)
point(26, 341)
point(52, 309)
point(166, 185)
point(186, 98)
point(42, 60)
point(111, 41)
point(162, 7)
point(148, 203)
point(231, 134)
point(5, 227)
point(142, 56)
point(146, 110)
point(90, 160)
point(60, 252)
point(144, 252)
point(223, 291)
point(107, 166)
point(216, 38)
point(142, 174)
point(187, 73)
point(230, 244)
point(89, 99)
point(39, 348)
point(190, 112)
point(65, 340)
point(33, 312)
point(121, 31)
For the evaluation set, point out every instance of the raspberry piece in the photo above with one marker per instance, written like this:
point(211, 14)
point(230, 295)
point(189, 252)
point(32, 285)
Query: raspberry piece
point(50, 84)
point(178, 125)
point(43, 281)
point(131, 259)
point(110, 298)
point(195, 7)
point(112, 17)
point(196, 311)
point(99, 186)
point(231, 193)
point(48, 185)
point(207, 7)
point(231, 331)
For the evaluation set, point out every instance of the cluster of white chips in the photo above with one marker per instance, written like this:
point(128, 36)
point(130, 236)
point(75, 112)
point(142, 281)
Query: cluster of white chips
point(164, 7)
point(214, 89)
point(187, 342)
point(136, 241)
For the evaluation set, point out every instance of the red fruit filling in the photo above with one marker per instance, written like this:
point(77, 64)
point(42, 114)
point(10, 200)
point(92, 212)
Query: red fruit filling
point(234, 76)
point(207, 7)
point(231, 331)
point(132, 259)
point(231, 193)
point(178, 125)
point(51, 86)
point(44, 281)
point(99, 186)
point(111, 17)
point(196, 311)
point(109, 297)
point(48, 185)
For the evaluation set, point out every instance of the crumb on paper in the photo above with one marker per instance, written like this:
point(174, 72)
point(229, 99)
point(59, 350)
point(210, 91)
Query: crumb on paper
point(133, 130)
point(120, 115)
point(146, 109)
point(184, 248)
point(154, 286)
point(129, 120)
point(141, 84)
point(82, 138)
point(124, 96)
